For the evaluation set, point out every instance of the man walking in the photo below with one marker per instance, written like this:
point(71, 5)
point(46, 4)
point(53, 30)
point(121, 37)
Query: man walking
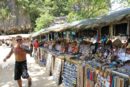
point(20, 63)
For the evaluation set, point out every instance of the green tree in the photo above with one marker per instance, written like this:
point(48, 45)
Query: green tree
point(5, 14)
point(60, 8)
point(72, 16)
point(32, 7)
point(43, 21)
point(87, 8)
point(73, 9)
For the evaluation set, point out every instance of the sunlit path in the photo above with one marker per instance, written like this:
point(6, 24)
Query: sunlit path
point(37, 73)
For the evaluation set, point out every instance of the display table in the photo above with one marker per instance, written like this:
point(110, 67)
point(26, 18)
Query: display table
point(72, 72)
point(101, 77)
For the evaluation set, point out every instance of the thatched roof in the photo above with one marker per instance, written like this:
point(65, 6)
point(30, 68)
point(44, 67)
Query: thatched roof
point(56, 28)
point(35, 34)
point(101, 21)
point(111, 18)
point(17, 21)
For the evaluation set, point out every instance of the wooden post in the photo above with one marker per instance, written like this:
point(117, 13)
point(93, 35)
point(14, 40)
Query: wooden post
point(111, 30)
point(128, 28)
point(51, 36)
point(99, 34)
point(48, 37)
point(67, 36)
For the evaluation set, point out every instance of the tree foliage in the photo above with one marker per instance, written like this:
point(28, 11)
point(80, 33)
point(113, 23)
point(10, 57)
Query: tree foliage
point(43, 11)
point(33, 7)
point(4, 13)
point(87, 8)
point(43, 21)
point(4, 10)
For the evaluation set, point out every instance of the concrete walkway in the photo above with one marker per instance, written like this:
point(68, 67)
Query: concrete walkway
point(39, 77)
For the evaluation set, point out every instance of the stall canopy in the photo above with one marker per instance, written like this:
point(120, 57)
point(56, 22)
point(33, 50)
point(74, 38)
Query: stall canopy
point(112, 17)
point(55, 28)
point(35, 34)
point(101, 21)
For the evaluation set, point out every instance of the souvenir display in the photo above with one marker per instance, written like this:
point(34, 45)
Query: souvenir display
point(104, 79)
point(106, 62)
point(69, 75)
point(57, 70)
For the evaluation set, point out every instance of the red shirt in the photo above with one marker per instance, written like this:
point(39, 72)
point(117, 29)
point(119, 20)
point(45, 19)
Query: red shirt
point(36, 44)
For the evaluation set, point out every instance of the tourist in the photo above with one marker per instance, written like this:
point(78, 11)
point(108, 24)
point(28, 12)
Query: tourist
point(20, 62)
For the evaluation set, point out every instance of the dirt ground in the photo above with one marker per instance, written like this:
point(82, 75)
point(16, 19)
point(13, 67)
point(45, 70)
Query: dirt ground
point(39, 77)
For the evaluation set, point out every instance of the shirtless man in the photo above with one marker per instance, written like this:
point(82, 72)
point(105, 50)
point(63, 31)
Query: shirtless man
point(20, 63)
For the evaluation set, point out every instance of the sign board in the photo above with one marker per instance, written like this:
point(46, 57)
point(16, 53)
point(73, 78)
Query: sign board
point(48, 64)
point(57, 70)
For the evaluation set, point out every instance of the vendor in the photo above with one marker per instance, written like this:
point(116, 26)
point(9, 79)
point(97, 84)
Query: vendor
point(46, 44)
point(75, 48)
point(58, 46)
point(36, 45)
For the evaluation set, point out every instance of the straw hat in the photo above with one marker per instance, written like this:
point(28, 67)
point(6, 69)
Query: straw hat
point(117, 43)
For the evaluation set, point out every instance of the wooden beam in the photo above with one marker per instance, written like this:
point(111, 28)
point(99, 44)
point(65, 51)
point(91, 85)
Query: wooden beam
point(111, 30)
point(99, 34)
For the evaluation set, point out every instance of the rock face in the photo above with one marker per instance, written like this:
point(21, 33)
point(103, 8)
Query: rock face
point(17, 20)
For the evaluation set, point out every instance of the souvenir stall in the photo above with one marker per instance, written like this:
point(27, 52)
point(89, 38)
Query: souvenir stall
point(86, 56)
point(73, 69)
point(105, 65)
point(62, 60)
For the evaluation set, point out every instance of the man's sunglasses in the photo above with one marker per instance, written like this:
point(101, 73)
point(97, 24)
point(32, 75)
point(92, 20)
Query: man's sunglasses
point(19, 40)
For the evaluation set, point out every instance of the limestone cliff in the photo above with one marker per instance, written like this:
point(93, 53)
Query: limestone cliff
point(17, 20)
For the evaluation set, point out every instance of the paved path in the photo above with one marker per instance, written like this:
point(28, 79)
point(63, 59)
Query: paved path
point(37, 73)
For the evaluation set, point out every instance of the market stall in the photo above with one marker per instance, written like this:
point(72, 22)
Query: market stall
point(84, 55)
